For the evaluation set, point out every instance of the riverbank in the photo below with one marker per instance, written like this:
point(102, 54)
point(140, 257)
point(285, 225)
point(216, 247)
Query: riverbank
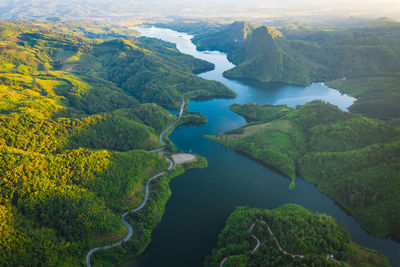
point(203, 199)
point(377, 95)
point(179, 164)
point(346, 155)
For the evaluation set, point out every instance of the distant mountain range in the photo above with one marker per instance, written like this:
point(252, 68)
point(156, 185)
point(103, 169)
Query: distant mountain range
point(222, 9)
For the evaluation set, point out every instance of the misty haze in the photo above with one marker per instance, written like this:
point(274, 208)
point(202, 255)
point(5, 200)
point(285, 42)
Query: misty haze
point(233, 9)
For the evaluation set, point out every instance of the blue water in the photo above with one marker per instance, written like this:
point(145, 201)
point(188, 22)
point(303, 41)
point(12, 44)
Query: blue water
point(202, 199)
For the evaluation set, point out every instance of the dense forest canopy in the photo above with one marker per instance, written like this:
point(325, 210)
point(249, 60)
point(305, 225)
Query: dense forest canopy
point(352, 158)
point(225, 40)
point(73, 140)
point(300, 238)
point(378, 96)
point(301, 55)
point(82, 101)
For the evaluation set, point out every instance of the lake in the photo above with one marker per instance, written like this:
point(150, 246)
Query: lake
point(202, 199)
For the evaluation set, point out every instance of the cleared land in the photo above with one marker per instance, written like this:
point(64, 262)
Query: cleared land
point(183, 158)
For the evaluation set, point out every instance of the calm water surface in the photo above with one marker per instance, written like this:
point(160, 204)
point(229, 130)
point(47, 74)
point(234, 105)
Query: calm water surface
point(202, 199)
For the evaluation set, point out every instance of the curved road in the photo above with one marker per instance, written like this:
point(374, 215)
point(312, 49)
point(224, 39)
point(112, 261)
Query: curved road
point(259, 243)
point(279, 246)
point(169, 127)
point(171, 165)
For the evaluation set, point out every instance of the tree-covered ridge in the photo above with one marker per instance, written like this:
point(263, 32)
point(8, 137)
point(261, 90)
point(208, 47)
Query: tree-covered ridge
point(161, 76)
point(300, 56)
point(60, 200)
point(364, 181)
point(72, 146)
point(225, 40)
point(378, 96)
point(351, 158)
point(256, 113)
point(149, 70)
point(311, 237)
point(94, 29)
point(267, 57)
point(33, 118)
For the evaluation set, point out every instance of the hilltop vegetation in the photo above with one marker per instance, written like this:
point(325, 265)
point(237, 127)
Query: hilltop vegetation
point(299, 56)
point(353, 159)
point(226, 40)
point(268, 58)
point(73, 142)
point(148, 70)
point(33, 119)
point(55, 194)
point(359, 57)
point(161, 76)
point(377, 96)
point(298, 231)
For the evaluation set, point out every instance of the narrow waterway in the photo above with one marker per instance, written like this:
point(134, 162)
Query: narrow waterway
point(202, 199)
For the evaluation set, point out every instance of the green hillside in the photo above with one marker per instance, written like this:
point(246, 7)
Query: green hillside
point(73, 138)
point(362, 61)
point(301, 55)
point(305, 239)
point(378, 96)
point(351, 158)
point(149, 71)
point(225, 40)
point(266, 57)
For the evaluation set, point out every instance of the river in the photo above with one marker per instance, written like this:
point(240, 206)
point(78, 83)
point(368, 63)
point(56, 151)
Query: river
point(202, 199)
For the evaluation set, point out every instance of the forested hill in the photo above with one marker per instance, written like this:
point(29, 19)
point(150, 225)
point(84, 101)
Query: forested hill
point(300, 238)
point(226, 40)
point(267, 57)
point(351, 158)
point(149, 70)
point(297, 55)
point(74, 130)
point(378, 96)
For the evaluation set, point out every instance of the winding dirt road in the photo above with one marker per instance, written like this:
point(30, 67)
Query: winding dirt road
point(171, 165)
point(259, 243)
point(279, 246)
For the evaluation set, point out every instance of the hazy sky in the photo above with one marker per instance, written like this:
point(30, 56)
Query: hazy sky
point(199, 8)
point(372, 8)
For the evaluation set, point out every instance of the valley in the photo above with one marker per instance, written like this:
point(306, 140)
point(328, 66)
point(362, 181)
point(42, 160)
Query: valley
point(73, 144)
point(282, 127)
point(242, 181)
